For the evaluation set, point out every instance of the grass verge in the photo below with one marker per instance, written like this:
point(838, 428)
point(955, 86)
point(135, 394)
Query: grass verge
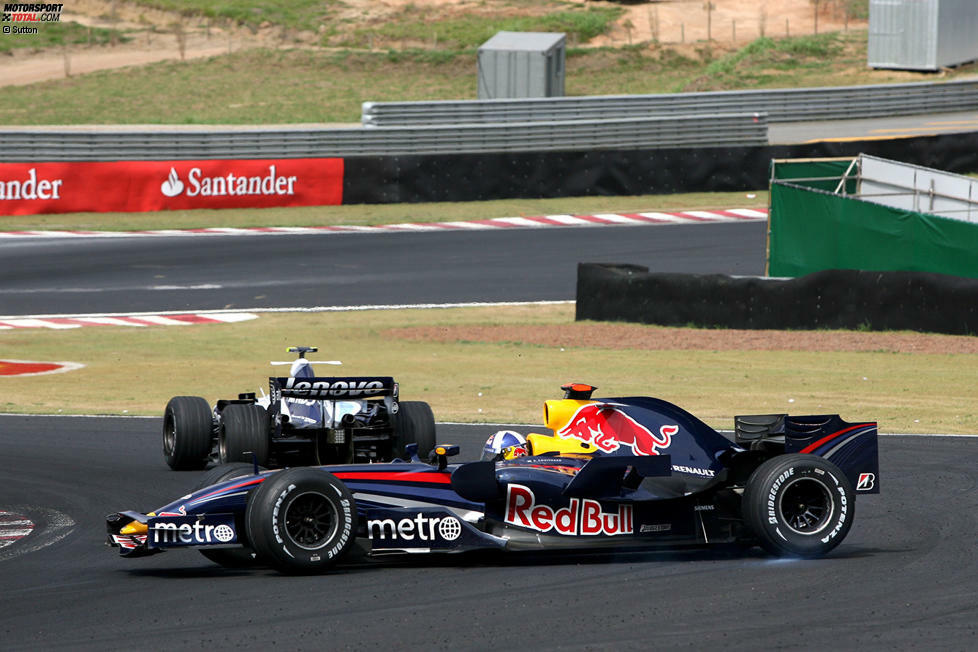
point(52, 35)
point(468, 32)
point(462, 26)
point(325, 86)
point(135, 371)
point(371, 214)
point(297, 14)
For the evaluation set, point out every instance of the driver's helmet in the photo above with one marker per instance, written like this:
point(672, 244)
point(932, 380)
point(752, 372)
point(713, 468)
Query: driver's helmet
point(504, 445)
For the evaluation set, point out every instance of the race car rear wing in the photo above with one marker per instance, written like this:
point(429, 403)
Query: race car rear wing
point(853, 447)
point(356, 387)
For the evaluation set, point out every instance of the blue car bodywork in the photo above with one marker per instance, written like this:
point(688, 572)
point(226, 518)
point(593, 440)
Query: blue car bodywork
point(655, 476)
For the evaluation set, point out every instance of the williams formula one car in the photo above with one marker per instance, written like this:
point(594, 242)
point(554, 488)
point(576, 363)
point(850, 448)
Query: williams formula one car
point(304, 419)
point(616, 473)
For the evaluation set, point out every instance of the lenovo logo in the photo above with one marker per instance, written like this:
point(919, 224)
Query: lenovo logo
point(327, 389)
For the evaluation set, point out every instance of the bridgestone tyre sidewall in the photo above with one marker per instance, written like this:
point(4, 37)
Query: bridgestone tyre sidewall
point(192, 421)
point(244, 432)
point(268, 508)
point(415, 425)
point(763, 508)
point(228, 557)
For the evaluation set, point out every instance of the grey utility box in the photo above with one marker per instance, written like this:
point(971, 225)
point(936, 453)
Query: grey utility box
point(922, 34)
point(522, 64)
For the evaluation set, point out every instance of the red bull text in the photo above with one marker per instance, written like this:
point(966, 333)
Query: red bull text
point(581, 517)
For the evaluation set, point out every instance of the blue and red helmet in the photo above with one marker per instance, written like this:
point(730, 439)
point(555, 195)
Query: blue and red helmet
point(505, 444)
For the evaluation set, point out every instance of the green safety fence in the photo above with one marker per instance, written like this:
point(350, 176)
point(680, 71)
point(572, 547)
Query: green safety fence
point(814, 229)
point(821, 174)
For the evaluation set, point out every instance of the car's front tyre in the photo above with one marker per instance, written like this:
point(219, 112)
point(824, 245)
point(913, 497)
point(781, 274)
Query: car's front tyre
point(798, 505)
point(228, 557)
point(301, 520)
point(187, 433)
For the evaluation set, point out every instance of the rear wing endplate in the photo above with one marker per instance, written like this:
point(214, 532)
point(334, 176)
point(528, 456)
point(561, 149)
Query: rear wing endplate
point(853, 447)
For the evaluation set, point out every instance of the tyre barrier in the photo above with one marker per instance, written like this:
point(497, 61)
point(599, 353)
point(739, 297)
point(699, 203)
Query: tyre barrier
point(530, 175)
point(446, 176)
point(843, 299)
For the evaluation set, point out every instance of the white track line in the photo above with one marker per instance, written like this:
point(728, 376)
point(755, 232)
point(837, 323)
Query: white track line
point(140, 320)
point(707, 215)
point(474, 226)
point(570, 220)
point(30, 322)
point(542, 221)
point(108, 321)
point(519, 221)
point(163, 321)
point(248, 314)
point(748, 212)
point(666, 217)
point(617, 219)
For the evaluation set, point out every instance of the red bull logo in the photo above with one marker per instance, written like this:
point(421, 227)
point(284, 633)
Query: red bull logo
point(607, 428)
point(581, 517)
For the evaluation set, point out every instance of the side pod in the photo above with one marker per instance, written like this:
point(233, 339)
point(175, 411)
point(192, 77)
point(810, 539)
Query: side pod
point(602, 477)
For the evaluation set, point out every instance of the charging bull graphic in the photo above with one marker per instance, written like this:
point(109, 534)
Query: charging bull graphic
point(608, 428)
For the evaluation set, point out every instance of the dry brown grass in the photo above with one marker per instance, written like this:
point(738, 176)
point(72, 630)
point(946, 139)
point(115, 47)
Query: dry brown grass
point(495, 365)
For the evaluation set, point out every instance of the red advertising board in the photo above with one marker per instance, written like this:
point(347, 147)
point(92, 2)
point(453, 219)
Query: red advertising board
point(32, 188)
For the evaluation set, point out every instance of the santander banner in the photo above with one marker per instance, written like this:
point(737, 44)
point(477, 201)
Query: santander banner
point(124, 186)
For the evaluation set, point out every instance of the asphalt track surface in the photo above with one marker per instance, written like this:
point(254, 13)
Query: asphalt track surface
point(904, 578)
point(83, 276)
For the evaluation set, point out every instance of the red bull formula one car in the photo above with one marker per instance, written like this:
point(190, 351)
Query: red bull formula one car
point(629, 473)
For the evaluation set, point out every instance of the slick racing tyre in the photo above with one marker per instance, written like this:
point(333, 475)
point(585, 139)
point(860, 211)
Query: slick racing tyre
point(244, 432)
point(415, 424)
point(798, 505)
point(301, 520)
point(228, 557)
point(187, 433)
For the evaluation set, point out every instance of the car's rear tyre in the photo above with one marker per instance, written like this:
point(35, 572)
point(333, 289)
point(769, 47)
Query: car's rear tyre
point(244, 434)
point(415, 424)
point(301, 520)
point(228, 557)
point(187, 433)
point(798, 505)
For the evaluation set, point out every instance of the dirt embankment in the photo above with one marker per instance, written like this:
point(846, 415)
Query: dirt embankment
point(155, 35)
point(729, 21)
point(150, 35)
